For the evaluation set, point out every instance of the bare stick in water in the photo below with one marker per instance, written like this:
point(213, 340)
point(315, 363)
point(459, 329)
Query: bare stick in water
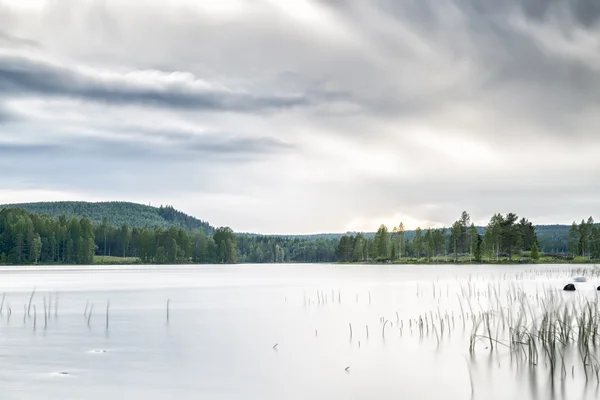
point(168, 302)
point(2, 304)
point(350, 325)
point(90, 314)
point(383, 329)
point(45, 314)
point(30, 300)
point(471, 379)
point(34, 316)
point(107, 307)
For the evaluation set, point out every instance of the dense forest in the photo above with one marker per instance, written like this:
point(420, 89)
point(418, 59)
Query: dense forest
point(119, 212)
point(505, 237)
point(35, 238)
point(28, 238)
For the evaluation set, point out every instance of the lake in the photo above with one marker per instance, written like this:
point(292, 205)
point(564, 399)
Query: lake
point(291, 332)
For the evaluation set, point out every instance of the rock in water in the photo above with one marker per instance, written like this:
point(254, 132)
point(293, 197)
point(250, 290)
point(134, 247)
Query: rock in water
point(598, 288)
point(570, 287)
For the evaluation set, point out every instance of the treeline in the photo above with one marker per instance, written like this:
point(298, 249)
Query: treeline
point(31, 239)
point(504, 237)
point(28, 238)
point(584, 239)
point(280, 249)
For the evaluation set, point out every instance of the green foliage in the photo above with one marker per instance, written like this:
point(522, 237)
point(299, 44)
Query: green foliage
point(167, 236)
point(31, 239)
point(27, 238)
point(269, 249)
point(116, 214)
point(535, 254)
point(478, 248)
point(574, 238)
point(382, 243)
point(503, 238)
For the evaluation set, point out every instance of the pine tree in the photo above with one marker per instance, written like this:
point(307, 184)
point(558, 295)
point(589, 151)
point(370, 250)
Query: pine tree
point(535, 254)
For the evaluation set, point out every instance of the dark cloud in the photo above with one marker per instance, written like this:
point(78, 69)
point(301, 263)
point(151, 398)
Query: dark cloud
point(39, 77)
point(586, 12)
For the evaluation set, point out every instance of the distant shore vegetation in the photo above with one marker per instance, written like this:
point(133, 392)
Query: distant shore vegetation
point(35, 238)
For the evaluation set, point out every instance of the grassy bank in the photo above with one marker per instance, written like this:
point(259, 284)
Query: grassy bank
point(517, 259)
point(115, 260)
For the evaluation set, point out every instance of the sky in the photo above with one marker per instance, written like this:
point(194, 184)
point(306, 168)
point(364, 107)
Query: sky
point(305, 116)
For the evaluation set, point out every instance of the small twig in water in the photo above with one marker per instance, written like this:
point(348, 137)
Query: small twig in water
point(470, 379)
point(383, 329)
point(45, 314)
point(107, 307)
point(30, 300)
point(90, 314)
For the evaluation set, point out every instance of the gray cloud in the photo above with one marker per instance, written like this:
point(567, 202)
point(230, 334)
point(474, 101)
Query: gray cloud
point(5, 116)
point(179, 147)
point(385, 109)
point(179, 90)
point(586, 12)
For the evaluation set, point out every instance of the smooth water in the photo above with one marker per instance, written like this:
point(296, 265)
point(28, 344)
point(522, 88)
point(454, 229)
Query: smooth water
point(269, 332)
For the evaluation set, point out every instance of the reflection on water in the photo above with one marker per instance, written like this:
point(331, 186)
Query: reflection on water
point(296, 332)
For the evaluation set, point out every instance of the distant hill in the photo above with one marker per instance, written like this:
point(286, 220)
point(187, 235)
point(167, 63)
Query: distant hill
point(118, 213)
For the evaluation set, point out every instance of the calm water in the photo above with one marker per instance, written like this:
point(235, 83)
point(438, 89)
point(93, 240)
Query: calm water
point(224, 322)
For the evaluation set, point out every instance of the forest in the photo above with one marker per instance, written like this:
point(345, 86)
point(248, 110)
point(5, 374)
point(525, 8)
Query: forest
point(506, 237)
point(29, 238)
point(120, 213)
point(35, 238)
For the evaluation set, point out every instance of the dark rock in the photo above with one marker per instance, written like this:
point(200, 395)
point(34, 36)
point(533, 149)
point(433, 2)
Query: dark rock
point(598, 288)
point(570, 287)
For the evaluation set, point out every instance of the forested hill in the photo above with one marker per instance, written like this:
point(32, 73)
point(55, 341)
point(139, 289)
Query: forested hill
point(117, 213)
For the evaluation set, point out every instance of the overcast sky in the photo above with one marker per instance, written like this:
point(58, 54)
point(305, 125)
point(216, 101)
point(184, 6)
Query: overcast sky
point(305, 116)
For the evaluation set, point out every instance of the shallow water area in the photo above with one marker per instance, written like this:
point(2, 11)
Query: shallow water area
point(287, 331)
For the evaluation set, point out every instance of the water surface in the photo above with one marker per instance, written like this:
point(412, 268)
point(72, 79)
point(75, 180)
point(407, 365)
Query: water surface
point(271, 332)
